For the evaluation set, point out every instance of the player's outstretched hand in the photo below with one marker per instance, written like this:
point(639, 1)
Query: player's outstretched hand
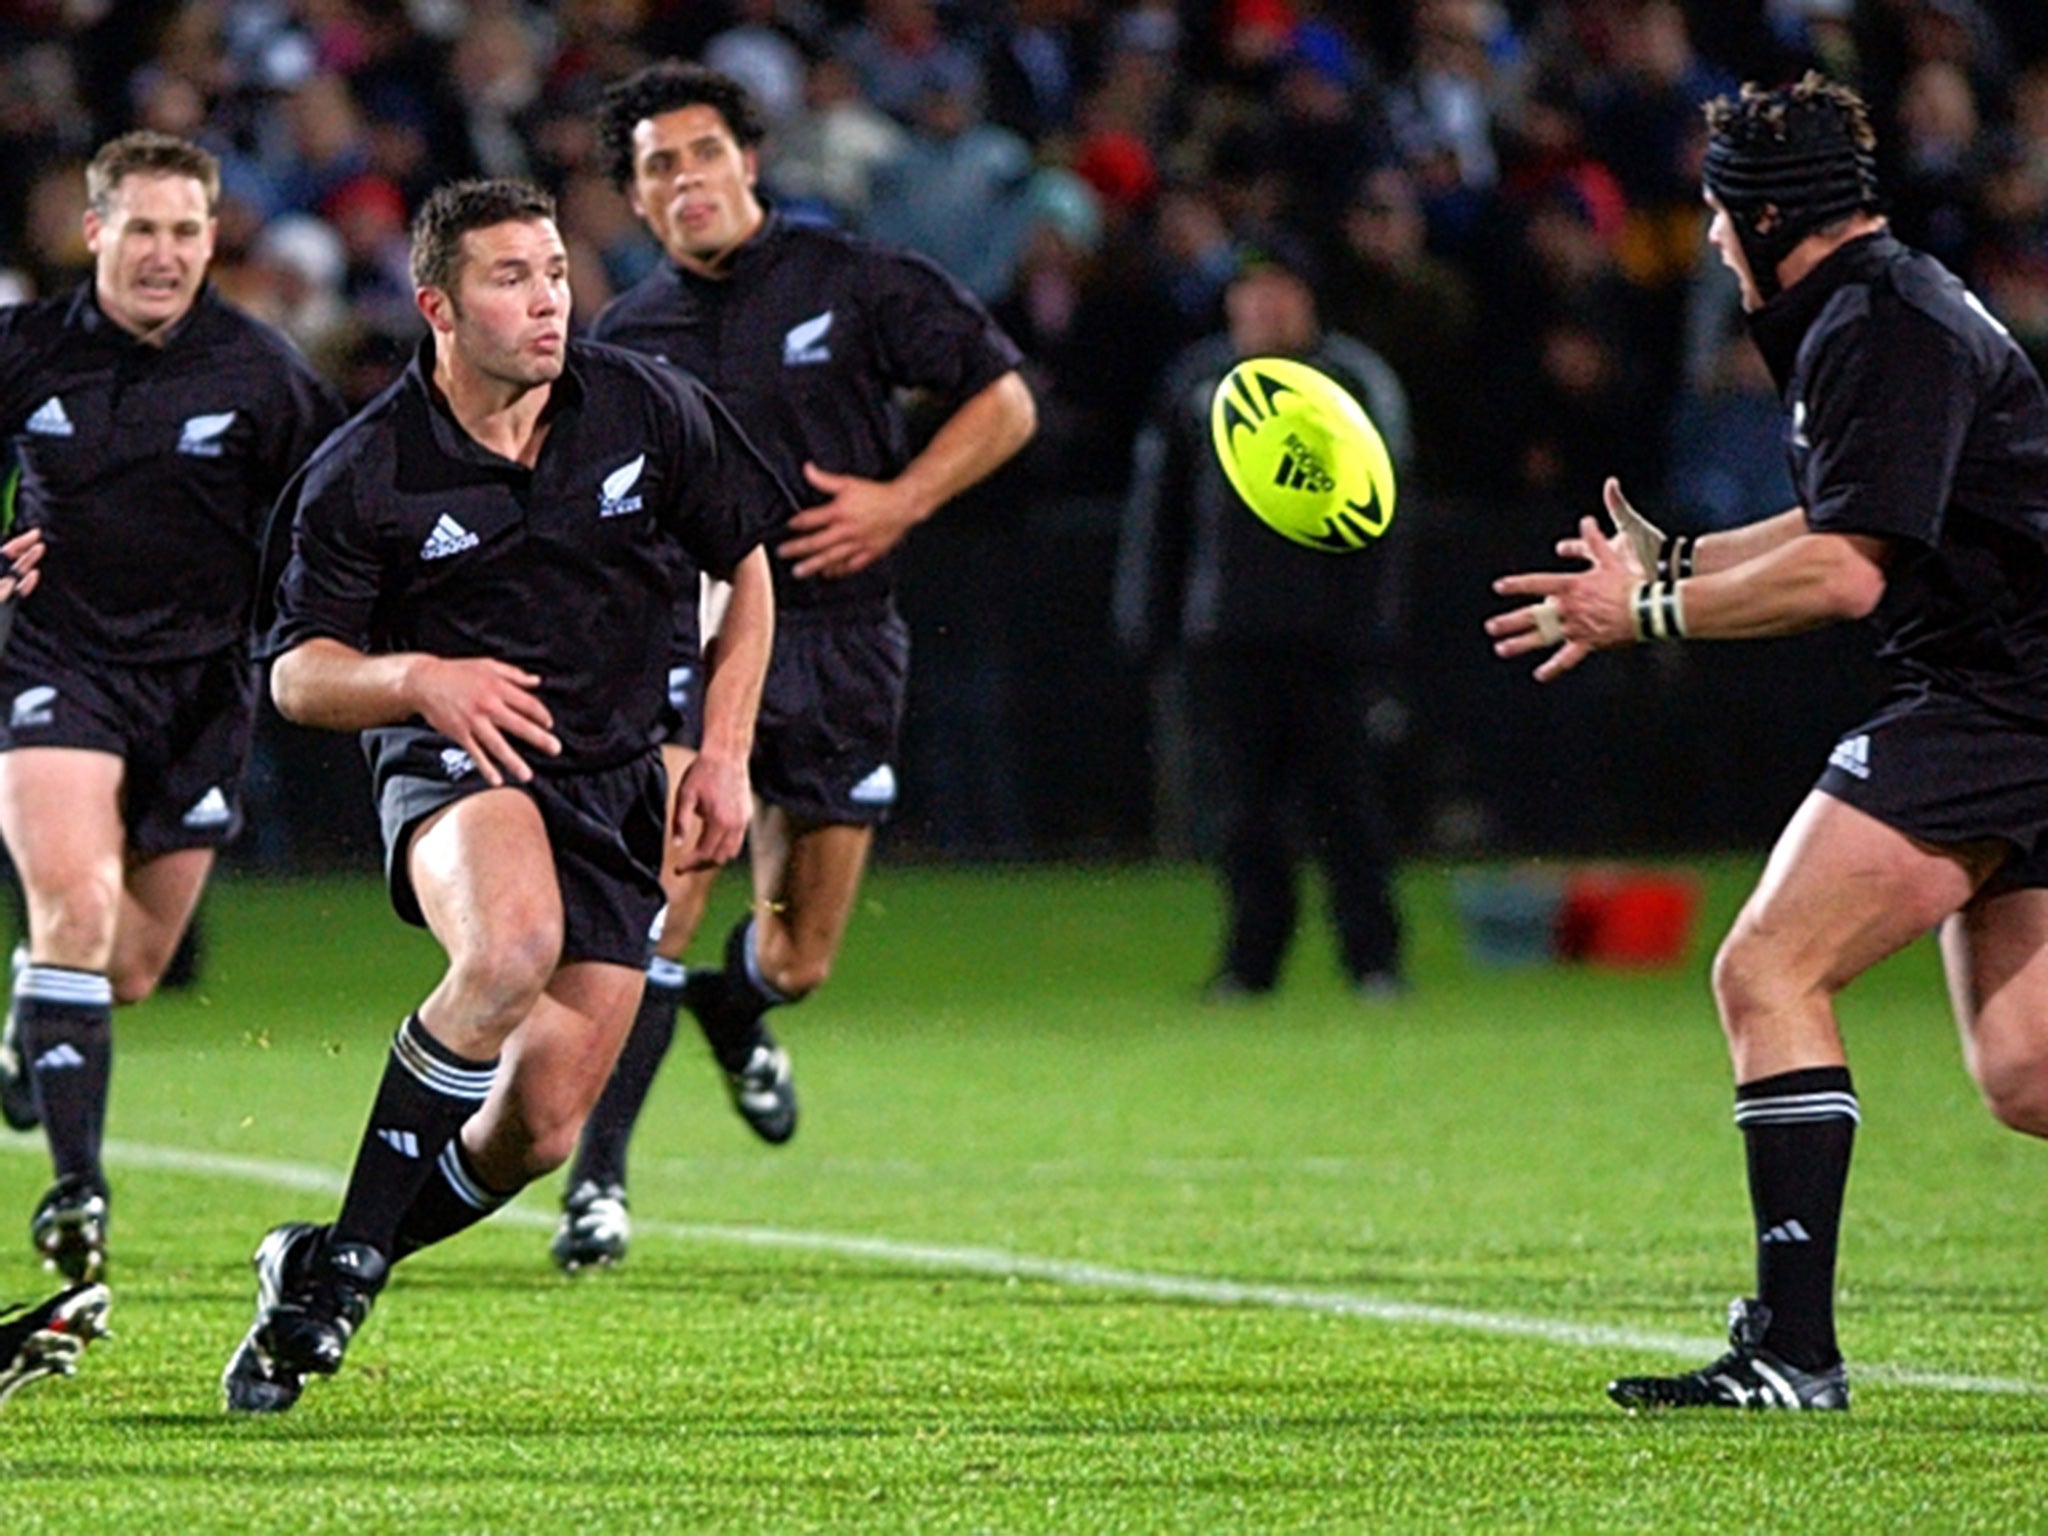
point(714, 799)
point(1578, 612)
point(487, 708)
point(23, 553)
point(1639, 538)
point(863, 521)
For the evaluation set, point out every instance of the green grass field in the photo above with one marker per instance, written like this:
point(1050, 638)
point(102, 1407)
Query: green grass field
point(1058, 1249)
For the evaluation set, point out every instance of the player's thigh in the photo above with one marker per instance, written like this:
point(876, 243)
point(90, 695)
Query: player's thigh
point(1843, 890)
point(60, 813)
point(484, 873)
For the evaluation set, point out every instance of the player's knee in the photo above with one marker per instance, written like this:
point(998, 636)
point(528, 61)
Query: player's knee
point(77, 924)
point(2015, 1088)
point(499, 982)
point(133, 983)
point(1743, 984)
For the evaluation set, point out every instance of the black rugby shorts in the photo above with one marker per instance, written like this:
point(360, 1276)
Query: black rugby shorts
point(182, 728)
point(606, 828)
point(1947, 770)
point(832, 714)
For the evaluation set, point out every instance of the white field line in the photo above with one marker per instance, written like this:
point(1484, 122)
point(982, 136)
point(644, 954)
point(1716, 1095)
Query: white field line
point(996, 1262)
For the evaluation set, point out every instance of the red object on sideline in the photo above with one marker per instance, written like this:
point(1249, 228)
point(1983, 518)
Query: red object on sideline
point(1626, 917)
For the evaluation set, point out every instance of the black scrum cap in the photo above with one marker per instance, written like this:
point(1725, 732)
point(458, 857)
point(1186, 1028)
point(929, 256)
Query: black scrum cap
point(1787, 161)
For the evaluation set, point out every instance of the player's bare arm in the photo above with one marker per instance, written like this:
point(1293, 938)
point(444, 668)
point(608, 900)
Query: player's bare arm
point(714, 797)
point(865, 519)
point(1798, 581)
point(486, 707)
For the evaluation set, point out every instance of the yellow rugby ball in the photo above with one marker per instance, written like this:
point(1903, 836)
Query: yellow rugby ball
point(1302, 453)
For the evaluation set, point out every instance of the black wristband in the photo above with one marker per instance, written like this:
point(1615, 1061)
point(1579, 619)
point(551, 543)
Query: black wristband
point(1674, 557)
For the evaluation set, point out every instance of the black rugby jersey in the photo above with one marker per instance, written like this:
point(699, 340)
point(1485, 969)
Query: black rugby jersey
point(150, 469)
point(407, 534)
point(1915, 417)
point(807, 338)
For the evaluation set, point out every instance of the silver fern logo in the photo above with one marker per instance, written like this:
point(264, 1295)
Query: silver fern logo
point(613, 499)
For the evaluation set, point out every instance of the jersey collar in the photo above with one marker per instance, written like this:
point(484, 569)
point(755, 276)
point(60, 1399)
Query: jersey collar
point(449, 435)
point(743, 260)
point(86, 316)
point(1781, 325)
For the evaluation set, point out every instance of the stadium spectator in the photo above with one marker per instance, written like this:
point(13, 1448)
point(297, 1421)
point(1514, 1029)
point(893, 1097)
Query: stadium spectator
point(155, 425)
point(480, 579)
point(829, 154)
point(809, 335)
point(1417, 312)
point(959, 193)
point(1284, 649)
point(1932, 812)
point(901, 54)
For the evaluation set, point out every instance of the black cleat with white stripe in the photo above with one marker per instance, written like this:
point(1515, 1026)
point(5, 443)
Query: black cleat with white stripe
point(47, 1340)
point(312, 1294)
point(1748, 1376)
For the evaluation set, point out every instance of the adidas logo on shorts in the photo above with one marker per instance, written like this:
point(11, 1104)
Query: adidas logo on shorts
point(1852, 756)
point(210, 810)
point(49, 420)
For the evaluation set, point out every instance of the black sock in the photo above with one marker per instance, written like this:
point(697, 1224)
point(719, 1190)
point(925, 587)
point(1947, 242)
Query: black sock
point(67, 1045)
point(426, 1094)
point(449, 1202)
point(729, 1003)
point(601, 1154)
point(1799, 1128)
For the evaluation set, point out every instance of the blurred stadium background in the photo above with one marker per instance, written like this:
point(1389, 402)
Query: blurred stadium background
point(1499, 195)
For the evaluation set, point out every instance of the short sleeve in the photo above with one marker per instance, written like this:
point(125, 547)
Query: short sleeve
point(1880, 426)
point(727, 499)
point(930, 332)
point(332, 571)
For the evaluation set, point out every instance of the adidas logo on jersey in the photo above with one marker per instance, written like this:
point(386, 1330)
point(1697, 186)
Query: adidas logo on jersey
point(805, 343)
point(33, 706)
point(1302, 470)
point(201, 435)
point(49, 420)
point(878, 788)
point(210, 810)
point(1852, 756)
point(613, 498)
point(448, 538)
point(456, 763)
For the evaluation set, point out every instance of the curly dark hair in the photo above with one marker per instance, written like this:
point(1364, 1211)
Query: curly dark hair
point(454, 209)
point(669, 87)
point(1762, 112)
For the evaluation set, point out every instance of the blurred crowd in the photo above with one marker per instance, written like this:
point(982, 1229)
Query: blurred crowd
point(1500, 196)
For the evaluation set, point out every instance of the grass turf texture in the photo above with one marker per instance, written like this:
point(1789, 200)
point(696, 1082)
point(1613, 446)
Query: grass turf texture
point(1014, 1062)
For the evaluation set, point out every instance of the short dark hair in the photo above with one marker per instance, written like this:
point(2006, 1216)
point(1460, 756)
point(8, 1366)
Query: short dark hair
point(148, 153)
point(670, 86)
point(454, 209)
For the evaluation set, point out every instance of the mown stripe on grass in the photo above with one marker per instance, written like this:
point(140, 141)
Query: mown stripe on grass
point(999, 1263)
